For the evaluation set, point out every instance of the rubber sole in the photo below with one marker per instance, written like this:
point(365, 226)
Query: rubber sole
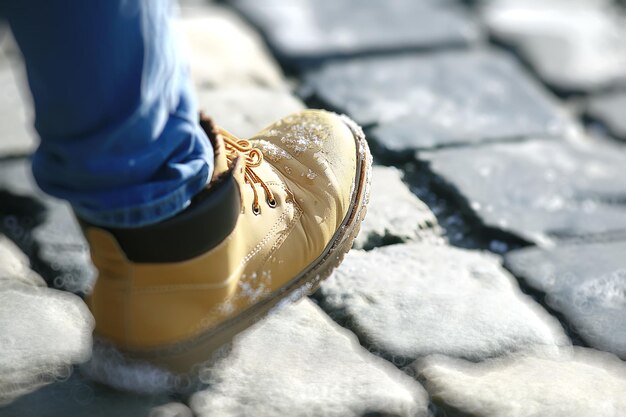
point(186, 358)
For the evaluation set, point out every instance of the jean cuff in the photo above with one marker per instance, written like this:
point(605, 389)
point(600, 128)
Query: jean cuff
point(149, 213)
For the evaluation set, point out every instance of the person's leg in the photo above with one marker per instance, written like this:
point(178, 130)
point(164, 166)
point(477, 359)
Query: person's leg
point(119, 133)
point(282, 208)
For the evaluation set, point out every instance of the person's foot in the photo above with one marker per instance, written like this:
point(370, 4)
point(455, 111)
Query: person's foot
point(281, 211)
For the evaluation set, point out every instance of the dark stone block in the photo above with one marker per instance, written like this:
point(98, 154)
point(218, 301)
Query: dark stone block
point(586, 283)
point(432, 100)
point(307, 31)
point(540, 189)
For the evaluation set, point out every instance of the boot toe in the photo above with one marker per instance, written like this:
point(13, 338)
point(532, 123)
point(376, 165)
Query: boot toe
point(317, 154)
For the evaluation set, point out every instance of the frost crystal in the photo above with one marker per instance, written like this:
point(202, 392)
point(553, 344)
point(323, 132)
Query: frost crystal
point(273, 152)
point(300, 134)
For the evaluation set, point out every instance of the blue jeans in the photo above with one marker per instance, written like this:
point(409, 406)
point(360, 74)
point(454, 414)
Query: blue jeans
point(120, 138)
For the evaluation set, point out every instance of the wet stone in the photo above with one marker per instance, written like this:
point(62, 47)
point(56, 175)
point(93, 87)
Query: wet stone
point(79, 397)
point(574, 382)
point(394, 213)
point(297, 362)
point(44, 228)
point(584, 282)
point(541, 190)
point(223, 51)
point(245, 111)
point(17, 136)
point(438, 99)
point(305, 31)
point(411, 300)
point(574, 46)
point(609, 110)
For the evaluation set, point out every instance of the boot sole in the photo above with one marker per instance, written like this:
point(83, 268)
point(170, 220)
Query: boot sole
point(187, 357)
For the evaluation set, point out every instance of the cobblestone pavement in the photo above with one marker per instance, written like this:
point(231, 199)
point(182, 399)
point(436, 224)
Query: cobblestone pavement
point(490, 274)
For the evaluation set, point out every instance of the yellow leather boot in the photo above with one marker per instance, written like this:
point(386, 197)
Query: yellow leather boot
point(281, 211)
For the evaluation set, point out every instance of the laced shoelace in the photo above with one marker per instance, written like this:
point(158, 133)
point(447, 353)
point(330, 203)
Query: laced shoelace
point(253, 158)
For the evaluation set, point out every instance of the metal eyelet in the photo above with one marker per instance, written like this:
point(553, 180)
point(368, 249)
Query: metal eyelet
point(271, 203)
point(256, 209)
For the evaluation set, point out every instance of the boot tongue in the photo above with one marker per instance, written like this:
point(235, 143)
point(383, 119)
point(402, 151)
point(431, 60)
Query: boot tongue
point(211, 130)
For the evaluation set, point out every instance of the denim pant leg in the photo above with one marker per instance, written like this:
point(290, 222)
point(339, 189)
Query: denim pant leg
point(120, 138)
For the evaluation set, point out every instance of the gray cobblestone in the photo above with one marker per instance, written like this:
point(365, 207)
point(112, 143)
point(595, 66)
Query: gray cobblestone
point(49, 235)
point(412, 300)
point(245, 111)
point(395, 214)
point(490, 143)
point(297, 362)
point(224, 51)
point(540, 189)
point(586, 283)
point(439, 99)
point(575, 46)
point(44, 332)
point(304, 31)
point(570, 383)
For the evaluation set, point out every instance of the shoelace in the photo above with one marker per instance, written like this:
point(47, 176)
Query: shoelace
point(253, 158)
